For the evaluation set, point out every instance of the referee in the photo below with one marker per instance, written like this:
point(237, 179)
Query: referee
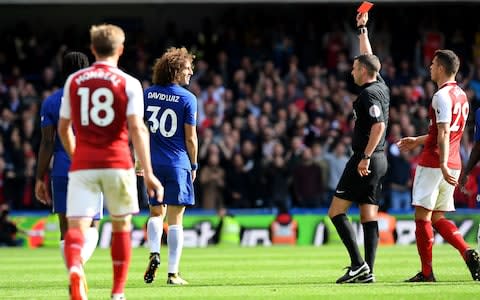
point(361, 179)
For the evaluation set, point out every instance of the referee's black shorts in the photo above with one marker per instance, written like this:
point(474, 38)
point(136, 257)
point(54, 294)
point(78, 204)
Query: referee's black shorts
point(362, 190)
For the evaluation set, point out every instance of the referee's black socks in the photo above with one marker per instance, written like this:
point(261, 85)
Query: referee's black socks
point(345, 230)
point(370, 240)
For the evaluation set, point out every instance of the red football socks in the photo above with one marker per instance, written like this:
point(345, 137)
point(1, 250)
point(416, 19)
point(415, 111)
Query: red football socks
point(424, 235)
point(121, 252)
point(450, 233)
point(73, 246)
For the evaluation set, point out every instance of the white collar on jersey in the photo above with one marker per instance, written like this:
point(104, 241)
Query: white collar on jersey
point(104, 62)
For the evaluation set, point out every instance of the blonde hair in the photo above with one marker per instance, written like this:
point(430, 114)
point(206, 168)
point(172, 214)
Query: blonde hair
point(106, 38)
point(171, 63)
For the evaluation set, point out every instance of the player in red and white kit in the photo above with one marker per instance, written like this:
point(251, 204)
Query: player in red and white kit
point(100, 102)
point(439, 167)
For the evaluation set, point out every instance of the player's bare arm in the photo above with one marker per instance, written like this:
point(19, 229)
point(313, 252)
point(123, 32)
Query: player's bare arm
point(45, 154)
point(443, 139)
point(141, 144)
point(376, 133)
point(191, 140)
point(472, 161)
point(67, 138)
point(411, 142)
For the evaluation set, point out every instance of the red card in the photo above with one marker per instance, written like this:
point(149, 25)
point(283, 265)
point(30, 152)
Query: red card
point(364, 7)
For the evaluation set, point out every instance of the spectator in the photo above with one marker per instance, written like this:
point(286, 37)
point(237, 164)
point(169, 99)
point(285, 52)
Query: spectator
point(319, 159)
point(2, 175)
point(337, 159)
point(15, 170)
point(398, 177)
point(277, 179)
point(306, 178)
point(237, 186)
point(14, 102)
point(212, 181)
point(8, 229)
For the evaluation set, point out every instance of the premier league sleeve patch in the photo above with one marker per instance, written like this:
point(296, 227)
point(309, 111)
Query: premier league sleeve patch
point(374, 111)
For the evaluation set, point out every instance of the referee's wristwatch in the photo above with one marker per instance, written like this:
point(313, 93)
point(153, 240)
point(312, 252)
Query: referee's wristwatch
point(362, 29)
point(364, 156)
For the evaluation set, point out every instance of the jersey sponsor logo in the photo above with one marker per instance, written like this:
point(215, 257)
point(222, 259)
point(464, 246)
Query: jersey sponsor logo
point(162, 96)
point(374, 111)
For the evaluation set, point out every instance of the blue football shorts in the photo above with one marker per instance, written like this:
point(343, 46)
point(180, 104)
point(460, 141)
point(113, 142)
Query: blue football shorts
point(178, 186)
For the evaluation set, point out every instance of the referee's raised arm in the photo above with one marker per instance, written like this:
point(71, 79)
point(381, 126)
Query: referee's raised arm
point(362, 32)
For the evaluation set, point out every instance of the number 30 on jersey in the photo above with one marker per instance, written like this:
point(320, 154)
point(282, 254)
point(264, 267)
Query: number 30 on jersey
point(160, 123)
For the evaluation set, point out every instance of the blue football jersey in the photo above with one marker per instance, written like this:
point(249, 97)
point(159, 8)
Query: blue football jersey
point(167, 110)
point(477, 126)
point(49, 115)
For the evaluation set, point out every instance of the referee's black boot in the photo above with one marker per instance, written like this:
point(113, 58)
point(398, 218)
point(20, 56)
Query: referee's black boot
point(367, 278)
point(354, 273)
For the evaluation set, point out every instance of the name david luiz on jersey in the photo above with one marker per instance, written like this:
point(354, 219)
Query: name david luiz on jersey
point(167, 109)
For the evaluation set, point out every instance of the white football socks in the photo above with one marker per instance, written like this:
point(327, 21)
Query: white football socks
point(62, 252)
point(175, 246)
point(154, 233)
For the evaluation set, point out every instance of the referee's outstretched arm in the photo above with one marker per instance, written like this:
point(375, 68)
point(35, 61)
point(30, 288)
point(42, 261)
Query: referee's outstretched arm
point(365, 47)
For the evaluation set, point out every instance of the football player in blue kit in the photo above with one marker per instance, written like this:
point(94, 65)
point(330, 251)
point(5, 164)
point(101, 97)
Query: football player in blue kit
point(50, 145)
point(171, 114)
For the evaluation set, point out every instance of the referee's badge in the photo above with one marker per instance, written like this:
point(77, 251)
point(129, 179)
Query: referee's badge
point(374, 111)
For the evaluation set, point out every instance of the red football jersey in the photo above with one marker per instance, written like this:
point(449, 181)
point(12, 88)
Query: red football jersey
point(97, 100)
point(449, 105)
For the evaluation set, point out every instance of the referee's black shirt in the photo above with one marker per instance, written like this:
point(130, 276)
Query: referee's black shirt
point(370, 107)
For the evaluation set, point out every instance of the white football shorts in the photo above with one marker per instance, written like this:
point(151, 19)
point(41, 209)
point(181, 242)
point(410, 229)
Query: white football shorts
point(431, 191)
point(119, 187)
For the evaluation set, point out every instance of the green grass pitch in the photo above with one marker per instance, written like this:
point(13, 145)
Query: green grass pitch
point(243, 273)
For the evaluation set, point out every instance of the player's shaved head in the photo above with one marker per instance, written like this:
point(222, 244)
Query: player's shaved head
point(370, 62)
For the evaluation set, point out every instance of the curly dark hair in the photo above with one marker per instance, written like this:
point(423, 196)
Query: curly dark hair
point(172, 62)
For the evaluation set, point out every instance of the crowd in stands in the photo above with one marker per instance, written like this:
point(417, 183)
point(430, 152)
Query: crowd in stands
point(275, 104)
